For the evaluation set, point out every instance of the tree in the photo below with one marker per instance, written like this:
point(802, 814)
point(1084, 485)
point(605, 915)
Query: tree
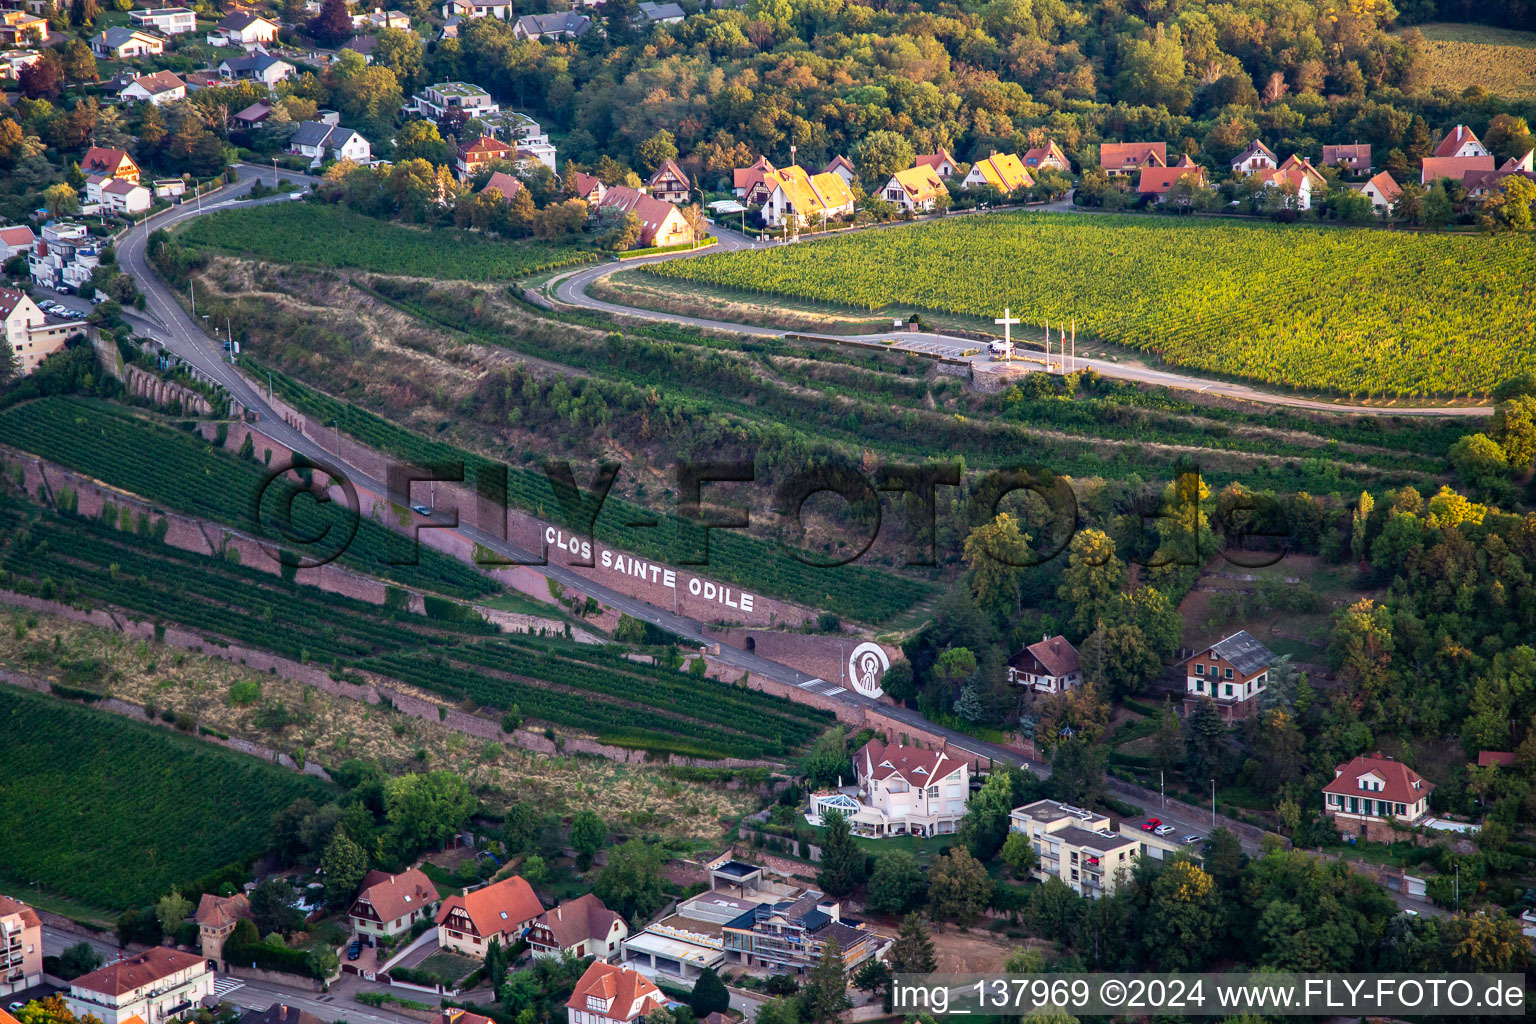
point(1119, 658)
point(1077, 772)
point(495, 964)
point(1205, 743)
point(631, 882)
point(827, 761)
point(896, 886)
point(533, 869)
point(959, 887)
point(1508, 207)
point(1479, 459)
point(171, 910)
point(61, 200)
point(333, 25)
point(1183, 916)
point(52, 1010)
point(656, 150)
point(881, 154)
point(81, 958)
point(1514, 427)
point(1152, 72)
point(343, 865)
point(420, 140)
point(843, 864)
point(1438, 210)
point(402, 52)
point(624, 235)
point(425, 811)
point(1224, 859)
point(912, 952)
point(1168, 741)
point(588, 833)
point(780, 1009)
point(274, 908)
point(43, 78)
point(985, 824)
point(521, 828)
point(9, 364)
point(1092, 580)
point(1018, 854)
point(709, 995)
point(78, 62)
point(826, 986)
point(997, 554)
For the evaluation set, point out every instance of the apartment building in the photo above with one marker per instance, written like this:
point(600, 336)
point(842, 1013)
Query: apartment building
point(157, 985)
point(21, 942)
point(65, 257)
point(436, 100)
point(168, 21)
point(788, 936)
point(1075, 845)
point(32, 336)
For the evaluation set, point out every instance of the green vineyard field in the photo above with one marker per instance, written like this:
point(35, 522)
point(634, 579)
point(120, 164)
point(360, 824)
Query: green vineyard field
point(122, 811)
point(333, 236)
point(1352, 311)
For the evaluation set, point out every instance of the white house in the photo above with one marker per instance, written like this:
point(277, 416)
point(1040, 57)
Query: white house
point(1382, 191)
point(503, 911)
point(466, 9)
point(159, 88)
point(16, 239)
point(916, 189)
point(581, 927)
point(612, 995)
point(125, 44)
point(32, 339)
point(1050, 666)
point(661, 14)
point(942, 163)
point(157, 985)
point(436, 100)
point(121, 196)
point(1075, 845)
point(390, 904)
point(1230, 672)
point(557, 26)
point(168, 21)
point(243, 29)
point(796, 196)
point(13, 61)
point(380, 18)
point(900, 791)
point(321, 142)
point(1256, 158)
point(258, 67)
point(1374, 789)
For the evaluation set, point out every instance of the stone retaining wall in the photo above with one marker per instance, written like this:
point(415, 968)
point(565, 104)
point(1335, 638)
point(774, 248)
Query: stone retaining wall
point(144, 384)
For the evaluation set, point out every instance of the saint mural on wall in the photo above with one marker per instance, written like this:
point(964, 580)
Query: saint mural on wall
point(866, 667)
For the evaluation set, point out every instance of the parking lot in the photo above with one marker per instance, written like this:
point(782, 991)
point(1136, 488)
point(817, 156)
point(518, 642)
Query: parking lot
point(78, 307)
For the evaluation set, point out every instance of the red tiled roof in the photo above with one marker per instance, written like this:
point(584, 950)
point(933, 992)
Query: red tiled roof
point(1436, 167)
point(1255, 148)
point(1157, 180)
point(1398, 780)
point(456, 1015)
point(1386, 185)
point(579, 920)
point(1120, 155)
point(136, 972)
point(221, 911)
point(1502, 758)
point(919, 767)
point(933, 161)
point(29, 918)
point(586, 184)
point(652, 212)
point(508, 905)
point(669, 168)
point(748, 177)
point(160, 81)
point(396, 896)
point(1353, 153)
point(1455, 139)
point(486, 146)
point(109, 160)
point(504, 183)
point(9, 297)
point(19, 235)
point(631, 993)
point(1056, 656)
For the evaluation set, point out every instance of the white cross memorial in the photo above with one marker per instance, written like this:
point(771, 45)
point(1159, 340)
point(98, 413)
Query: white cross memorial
point(1007, 320)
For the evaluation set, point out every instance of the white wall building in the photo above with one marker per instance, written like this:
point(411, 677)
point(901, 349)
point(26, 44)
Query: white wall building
point(157, 985)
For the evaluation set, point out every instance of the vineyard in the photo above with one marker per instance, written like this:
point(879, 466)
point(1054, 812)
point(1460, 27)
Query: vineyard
point(182, 471)
point(333, 236)
point(573, 686)
point(1354, 311)
point(1502, 61)
point(120, 813)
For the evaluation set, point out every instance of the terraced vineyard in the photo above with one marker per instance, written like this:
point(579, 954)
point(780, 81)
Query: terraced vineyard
point(1351, 311)
point(183, 472)
point(144, 795)
point(310, 233)
point(578, 687)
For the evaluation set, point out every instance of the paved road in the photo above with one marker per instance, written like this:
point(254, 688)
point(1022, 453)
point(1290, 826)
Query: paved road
point(256, 995)
point(572, 289)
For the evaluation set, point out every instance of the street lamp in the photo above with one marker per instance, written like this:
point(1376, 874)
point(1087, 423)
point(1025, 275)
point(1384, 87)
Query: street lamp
point(1213, 803)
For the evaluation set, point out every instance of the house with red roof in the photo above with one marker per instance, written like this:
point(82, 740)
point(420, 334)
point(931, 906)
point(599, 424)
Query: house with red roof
point(612, 995)
point(942, 163)
point(506, 184)
point(156, 985)
point(661, 223)
point(752, 184)
point(905, 790)
point(1496, 758)
point(216, 917)
point(669, 184)
point(1382, 190)
point(113, 163)
point(1373, 790)
point(15, 239)
point(1119, 159)
point(475, 156)
point(843, 168)
point(1154, 183)
point(581, 927)
point(1298, 173)
point(466, 924)
point(1461, 152)
point(389, 904)
point(1050, 666)
point(1047, 157)
point(1255, 159)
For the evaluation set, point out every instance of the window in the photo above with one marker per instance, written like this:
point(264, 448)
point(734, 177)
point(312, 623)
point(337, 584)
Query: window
point(1228, 673)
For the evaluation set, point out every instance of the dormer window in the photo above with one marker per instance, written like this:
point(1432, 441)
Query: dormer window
point(503, 915)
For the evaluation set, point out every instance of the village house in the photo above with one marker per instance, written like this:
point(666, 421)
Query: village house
point(1373, 790)
point(469, 9)
point(13, 240)
point(157, 985)
point(380, 18)
point(1299, 174)
point(1382, 191)
point(843, 168)
point(326, 140)
point(561, 25)
point(661, 223)
point(12, 62)
point(21, 940)
point(588, 187)
point(466, 924)
point(244, 29)
point(258, 67)
point(1230, 672)
point(1459, 153)
point(216, 917)
point(456, 1015)
point(941, 163)
point(1120, 159)
point(1050, 666)
point(899, 790)
point(503, 183)
point(1048, 157)
point(113, 163)
point(474, 157)
point(1076, 846)
point(125, 44)
point(751, 184)
point(1354, 158)
point(1002, 171)
point(800, 199)
point(1257, 158)
point(118, 195)
point(18, 28)
point(612, 995)
point(1155, 182)
point(159, 88)
point(669, 183)
point(168, 21)
point(581, 927)
point(661, 14)
point(254, 115)
point(32, 336)
point(1479, 184)
point(387, 905)
point(435, 101)
point(916, 189)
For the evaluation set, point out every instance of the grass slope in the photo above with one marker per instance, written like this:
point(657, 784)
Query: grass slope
point(1350, 311)
point(333, 236)
point(1502, 61)
point(123, 810)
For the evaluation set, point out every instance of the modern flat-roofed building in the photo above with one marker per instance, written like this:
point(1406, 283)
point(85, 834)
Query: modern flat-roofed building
point(1075, 845)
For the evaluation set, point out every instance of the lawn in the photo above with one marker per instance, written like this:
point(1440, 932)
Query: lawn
point(1503, 61)
point(124, 811)
point(449, 968)
point(334, 236)
point(1349, 311)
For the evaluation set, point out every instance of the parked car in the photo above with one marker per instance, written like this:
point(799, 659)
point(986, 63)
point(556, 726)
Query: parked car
point(1150, 824)
point(998, 348)
point(421, 510)
point(1163, 830)
point(1190, 840)
point(355, 950)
